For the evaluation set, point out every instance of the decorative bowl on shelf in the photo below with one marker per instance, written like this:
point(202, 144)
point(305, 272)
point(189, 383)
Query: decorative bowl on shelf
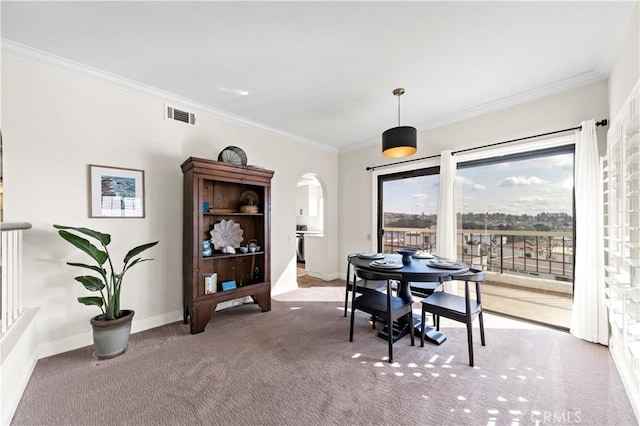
point(226, 233)
point(248, 209)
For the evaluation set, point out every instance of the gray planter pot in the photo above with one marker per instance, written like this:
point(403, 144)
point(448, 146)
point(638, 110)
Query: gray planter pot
point(111, 338)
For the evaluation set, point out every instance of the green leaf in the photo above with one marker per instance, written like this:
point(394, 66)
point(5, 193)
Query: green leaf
point(91, 301)
point(91, 283)
point(104, 239)
point(98, 269)
point(134, 262)
point(83, 244)
point(137, 250)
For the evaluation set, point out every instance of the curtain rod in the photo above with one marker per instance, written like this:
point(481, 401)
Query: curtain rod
point(602, 122)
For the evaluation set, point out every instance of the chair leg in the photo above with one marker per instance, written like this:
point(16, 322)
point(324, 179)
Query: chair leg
point(390, 334)
point(346, 287)
point(346, 298)
point(411, 330)
point(470, 341)
point(422, 326)
point(481, 327)
point(353, 313)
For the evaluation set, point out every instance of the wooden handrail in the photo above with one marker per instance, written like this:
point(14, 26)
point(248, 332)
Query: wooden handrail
point(14, 226)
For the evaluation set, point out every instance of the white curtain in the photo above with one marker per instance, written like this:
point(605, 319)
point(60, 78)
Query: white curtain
point(589, 315)
point(446, 230)
point(446, 238)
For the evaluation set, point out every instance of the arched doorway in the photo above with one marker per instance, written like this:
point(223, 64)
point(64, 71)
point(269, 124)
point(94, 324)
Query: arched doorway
point(309, 219)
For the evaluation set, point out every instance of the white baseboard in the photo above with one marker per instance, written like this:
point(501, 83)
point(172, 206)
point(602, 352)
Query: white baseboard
point(325, 277)
point(157, 321)
point(86, 339)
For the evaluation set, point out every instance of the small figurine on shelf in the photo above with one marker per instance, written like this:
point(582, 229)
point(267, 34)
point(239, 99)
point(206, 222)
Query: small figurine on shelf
point(206, 248)
point(256, 275)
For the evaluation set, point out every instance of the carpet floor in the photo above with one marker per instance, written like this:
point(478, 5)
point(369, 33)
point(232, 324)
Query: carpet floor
point(295, 365)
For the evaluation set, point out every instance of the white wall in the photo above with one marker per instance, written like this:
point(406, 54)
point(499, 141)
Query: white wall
point(551, 113)
point(56, 123)
point(626, 68)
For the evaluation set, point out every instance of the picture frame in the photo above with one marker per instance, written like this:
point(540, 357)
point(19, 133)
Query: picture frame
point(116, 192)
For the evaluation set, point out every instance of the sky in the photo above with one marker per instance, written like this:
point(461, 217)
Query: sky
point(530, 186)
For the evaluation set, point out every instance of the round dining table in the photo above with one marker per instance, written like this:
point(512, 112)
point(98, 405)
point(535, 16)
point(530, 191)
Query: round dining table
point(413, 270)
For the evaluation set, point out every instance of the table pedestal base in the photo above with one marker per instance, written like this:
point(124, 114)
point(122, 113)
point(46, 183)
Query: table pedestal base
point(401, 328)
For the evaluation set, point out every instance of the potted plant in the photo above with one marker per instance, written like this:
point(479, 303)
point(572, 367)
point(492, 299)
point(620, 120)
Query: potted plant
point(111, 329)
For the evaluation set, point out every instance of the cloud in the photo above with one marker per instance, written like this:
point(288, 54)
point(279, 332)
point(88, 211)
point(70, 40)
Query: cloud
point(420, 197)
point(461, 180)
point(561, 161)
point(522, 181)
point(420, 200)
point(534, 199)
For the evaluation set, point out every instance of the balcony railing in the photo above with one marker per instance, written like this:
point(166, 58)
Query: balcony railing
point(546, 255)
point(11, 294)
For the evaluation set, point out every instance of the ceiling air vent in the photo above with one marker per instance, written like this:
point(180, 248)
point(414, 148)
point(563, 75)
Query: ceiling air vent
point(179, 115)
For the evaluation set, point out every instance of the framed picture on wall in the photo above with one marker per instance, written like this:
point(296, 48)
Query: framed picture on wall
point(115, 192)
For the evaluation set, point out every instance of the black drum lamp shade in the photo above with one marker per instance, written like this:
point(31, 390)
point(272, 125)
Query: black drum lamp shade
point(399, 141)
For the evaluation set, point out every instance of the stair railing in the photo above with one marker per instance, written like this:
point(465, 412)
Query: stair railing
point(11, 255)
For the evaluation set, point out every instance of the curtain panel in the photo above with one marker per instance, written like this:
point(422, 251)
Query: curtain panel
point(446, 229)
point(589, 314)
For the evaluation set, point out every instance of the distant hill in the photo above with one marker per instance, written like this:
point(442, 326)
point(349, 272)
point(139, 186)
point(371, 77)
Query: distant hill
point(502, 221)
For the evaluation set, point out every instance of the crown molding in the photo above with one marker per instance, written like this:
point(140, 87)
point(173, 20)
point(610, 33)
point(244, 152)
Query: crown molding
point(77, 69)
point(507, 102)
point(517, 99)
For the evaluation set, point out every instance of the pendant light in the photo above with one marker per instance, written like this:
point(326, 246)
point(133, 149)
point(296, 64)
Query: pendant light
point(399, 141)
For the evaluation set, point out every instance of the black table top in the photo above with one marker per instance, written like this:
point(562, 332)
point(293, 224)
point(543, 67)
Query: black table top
point(418, 270)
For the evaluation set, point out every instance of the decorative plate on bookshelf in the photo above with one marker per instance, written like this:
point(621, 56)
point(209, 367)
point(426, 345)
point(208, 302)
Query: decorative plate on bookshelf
point(233, 155)
point(226, 233)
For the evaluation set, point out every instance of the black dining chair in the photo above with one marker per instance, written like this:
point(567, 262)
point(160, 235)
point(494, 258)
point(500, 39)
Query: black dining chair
point(361, 285)
point(381, 305)
point(426, 289)
point(457, 308)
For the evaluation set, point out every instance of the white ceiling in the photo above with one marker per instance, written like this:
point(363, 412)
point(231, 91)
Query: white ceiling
point(323, 72)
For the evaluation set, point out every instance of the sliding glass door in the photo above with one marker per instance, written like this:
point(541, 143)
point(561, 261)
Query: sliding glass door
point(516, 218)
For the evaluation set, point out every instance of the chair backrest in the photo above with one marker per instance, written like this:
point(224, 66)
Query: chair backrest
point(349, 257)
point(367, 274)
point(473, 275)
